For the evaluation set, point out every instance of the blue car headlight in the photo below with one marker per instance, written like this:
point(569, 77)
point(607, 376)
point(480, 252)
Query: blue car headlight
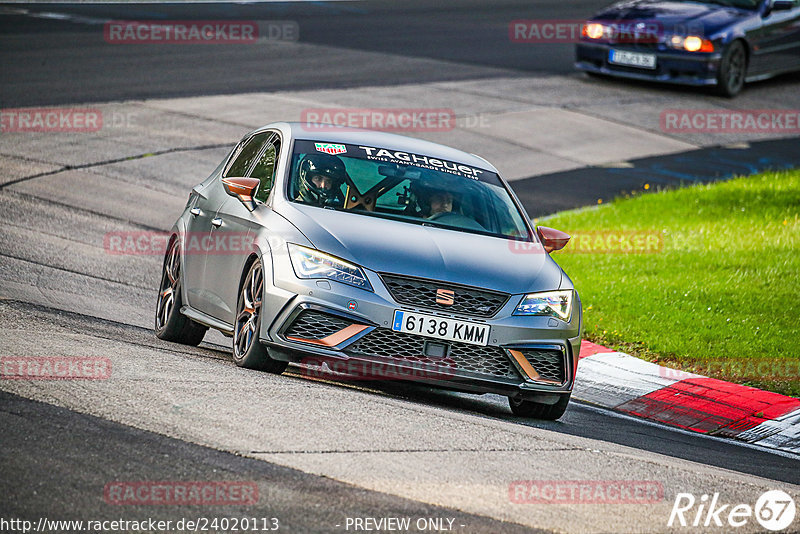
point(311, 263)
point(556, 304)
point(692, 43)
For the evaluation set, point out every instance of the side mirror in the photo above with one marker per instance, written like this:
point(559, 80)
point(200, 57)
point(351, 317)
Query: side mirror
point(782, 5)
point(243, 189)
point(777, 5)
point(552, 239)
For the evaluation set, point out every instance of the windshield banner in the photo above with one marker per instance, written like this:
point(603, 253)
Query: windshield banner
point(397, 157)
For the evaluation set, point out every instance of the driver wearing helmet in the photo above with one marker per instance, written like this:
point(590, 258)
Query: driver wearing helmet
point(440, 202)
point(320, 180)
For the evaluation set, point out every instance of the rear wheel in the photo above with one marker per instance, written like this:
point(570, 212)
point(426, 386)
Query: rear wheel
point(537, 410)
point(732, 70)
point(247, 349)
point(171, 324)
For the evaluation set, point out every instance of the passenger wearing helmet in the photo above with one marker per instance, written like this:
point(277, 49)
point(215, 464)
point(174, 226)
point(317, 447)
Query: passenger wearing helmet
point(320, 180)
point(433, 201)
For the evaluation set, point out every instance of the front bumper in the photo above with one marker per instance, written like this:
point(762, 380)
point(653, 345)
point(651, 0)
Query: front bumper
point(321, 321)
point(671, 66)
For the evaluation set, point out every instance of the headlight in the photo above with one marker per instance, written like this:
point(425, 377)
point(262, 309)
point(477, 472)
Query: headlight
point(593, 30)
point(550, 303)
point(310, 263)
point(692, 43)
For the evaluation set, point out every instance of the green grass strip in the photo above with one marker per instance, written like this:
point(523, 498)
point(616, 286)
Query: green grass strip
point(710, 281)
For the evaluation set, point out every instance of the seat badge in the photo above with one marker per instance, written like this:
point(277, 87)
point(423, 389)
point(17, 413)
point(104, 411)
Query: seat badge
point(445, 297)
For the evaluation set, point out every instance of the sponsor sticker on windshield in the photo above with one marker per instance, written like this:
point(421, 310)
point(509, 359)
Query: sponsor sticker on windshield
point(330, 148)
point(409, 163)
point(405, 158)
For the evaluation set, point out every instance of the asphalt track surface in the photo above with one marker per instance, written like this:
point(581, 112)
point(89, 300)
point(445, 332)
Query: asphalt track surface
point(64, 59)
point(546, 194)
point(61, 297)
point(55, 54)
point(89, 453)
point(41, 66)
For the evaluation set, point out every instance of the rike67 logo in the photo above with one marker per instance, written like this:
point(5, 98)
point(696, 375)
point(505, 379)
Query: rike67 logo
point(774, 511)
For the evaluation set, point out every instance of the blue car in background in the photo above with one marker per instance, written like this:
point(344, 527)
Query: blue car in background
point(722, 43)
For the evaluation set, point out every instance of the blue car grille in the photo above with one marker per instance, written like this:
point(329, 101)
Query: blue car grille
point(636, 47)
point(422, 293)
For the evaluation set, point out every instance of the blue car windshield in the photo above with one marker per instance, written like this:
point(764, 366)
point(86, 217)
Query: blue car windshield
point(741, 4)
point(406, 187)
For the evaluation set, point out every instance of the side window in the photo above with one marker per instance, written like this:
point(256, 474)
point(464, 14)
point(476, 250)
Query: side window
point(265, 169)
point(247, 155)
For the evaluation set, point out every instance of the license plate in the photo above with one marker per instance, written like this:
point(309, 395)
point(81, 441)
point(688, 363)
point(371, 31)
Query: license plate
point(632, 59)
point(440, 328)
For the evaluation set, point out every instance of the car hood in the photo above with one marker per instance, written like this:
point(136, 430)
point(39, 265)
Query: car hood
point(669, 14)
point(384, 245)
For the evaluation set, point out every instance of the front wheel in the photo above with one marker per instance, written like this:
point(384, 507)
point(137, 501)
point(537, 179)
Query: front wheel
point(732, 70)
point(248, 351)
point(537, 410)
point(171, 324)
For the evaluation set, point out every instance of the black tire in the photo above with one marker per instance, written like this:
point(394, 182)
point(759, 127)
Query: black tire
point(248, 352)
point(732, 70)
point(171, 324)
point(537, 410)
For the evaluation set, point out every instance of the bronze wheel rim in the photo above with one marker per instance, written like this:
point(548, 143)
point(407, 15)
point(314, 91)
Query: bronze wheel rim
point(247, 311)
point(169, 286)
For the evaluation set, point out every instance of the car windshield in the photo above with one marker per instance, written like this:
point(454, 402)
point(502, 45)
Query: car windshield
point(741, 4)
point(403, 186)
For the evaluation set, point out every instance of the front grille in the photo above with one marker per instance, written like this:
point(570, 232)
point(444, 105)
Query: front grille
point(312, 324)
point(642, 46)
point(422, 293)
point(548, 363)
point(386, 343)
point(636, 70)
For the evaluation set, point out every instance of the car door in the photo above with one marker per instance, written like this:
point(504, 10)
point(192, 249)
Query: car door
point(791, 39)
point(233, 230)
point(776, 45)
point(206, 199)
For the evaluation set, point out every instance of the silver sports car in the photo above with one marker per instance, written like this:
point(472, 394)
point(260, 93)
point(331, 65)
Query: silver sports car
point(378, 255)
